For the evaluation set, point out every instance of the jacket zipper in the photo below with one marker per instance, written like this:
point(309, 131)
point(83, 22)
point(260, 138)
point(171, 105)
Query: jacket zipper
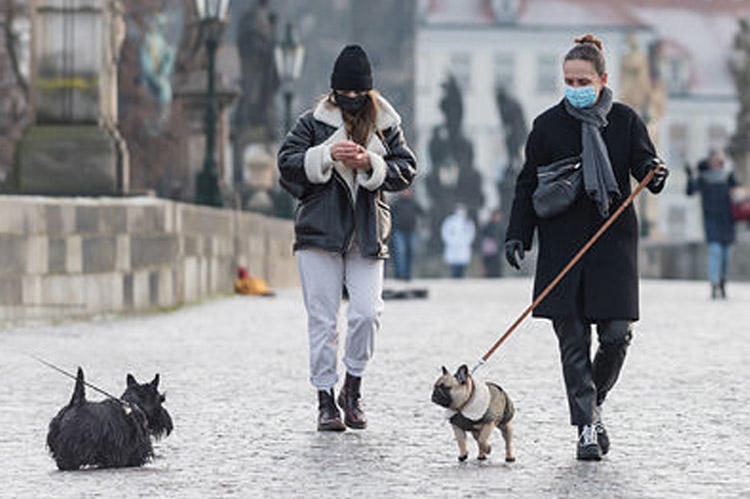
point(350, 239)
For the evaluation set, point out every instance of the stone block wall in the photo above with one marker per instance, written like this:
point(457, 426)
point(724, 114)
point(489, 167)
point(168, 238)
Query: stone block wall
point(689, 260)
point(77, 257)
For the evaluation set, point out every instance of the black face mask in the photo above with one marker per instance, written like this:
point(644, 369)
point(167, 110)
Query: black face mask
point(351, 105)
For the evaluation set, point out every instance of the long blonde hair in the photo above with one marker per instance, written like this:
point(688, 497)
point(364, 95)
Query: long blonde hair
point(360, 126)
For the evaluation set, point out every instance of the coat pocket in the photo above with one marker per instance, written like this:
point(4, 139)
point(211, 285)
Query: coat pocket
point(311, 217)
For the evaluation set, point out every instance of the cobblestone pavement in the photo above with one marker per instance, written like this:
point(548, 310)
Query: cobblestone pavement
point(235, 372)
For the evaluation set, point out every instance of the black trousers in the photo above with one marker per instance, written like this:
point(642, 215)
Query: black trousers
point(587, 382)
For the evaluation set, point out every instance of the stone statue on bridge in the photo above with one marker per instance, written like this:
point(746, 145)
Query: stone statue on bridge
point(643, 89)
point(157, 57)
point(256, 39)
point(515, 131)
point(453, 177)
point(255, 121)
point(641, 85)
point(739, 65)
point(514, 125)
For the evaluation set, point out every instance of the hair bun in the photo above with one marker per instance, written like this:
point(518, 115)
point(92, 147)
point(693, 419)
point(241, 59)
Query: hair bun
point(590, 39)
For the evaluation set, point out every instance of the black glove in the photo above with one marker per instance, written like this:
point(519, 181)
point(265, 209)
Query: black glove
point(660, 175)
point(514, 252)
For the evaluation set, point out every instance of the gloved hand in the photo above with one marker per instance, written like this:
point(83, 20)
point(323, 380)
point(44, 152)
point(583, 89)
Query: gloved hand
point(660, 175)
point(688, 172)
point(514, 252)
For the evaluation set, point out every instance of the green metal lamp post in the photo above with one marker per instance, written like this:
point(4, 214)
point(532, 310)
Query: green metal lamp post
point(212, 15)
point(288, 56)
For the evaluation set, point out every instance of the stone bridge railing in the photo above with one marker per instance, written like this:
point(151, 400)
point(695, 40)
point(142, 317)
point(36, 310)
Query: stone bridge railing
point(78, 257)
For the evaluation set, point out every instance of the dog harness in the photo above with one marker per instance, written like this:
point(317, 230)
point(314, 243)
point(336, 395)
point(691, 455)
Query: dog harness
point(478, 410)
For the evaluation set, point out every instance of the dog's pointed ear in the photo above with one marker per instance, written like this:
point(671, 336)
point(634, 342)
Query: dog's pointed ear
point(130, 380)
point(445, 371)
point(155, 381)
point(462, 374)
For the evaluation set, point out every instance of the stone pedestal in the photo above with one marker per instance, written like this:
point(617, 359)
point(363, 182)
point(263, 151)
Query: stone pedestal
point(73, 147)
point(71, 160)
point(190, 92)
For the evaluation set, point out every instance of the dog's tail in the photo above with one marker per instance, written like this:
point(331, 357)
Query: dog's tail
point(79, 392)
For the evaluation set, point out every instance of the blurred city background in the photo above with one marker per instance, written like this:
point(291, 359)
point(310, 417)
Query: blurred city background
point(155, 109)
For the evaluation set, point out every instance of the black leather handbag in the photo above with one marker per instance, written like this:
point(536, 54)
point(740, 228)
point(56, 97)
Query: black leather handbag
point(559, 184)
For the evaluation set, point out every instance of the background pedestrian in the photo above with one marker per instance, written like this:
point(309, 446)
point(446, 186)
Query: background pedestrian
point(491, 240)
point(714, 182)
point(457, 232)
point(405, 211)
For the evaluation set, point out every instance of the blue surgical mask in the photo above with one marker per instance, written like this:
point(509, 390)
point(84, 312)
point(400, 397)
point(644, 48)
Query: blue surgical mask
point(581, 96)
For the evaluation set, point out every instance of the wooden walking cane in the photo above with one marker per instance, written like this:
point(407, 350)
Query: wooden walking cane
point(567, 268)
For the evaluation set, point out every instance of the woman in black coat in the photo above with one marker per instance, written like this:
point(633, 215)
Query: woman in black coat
point(612, 143)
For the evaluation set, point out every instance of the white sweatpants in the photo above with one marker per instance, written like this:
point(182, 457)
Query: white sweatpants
point(323, 275)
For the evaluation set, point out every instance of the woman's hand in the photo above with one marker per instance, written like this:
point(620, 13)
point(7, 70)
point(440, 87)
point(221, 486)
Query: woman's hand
point(514, 252)
point(661, 172)
point(351, 154)
point(361, 161)
point(344, 150)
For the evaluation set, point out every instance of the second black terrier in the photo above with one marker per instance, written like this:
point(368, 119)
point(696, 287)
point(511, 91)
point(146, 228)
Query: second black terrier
point(112, 433)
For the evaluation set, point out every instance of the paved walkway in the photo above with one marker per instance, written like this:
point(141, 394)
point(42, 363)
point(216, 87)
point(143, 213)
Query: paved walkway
point(235, 372)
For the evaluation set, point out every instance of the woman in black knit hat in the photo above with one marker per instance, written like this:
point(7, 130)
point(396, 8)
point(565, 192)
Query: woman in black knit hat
point(338, 160)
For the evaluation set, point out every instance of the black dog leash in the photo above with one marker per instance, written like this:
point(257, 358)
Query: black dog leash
point(124, 404)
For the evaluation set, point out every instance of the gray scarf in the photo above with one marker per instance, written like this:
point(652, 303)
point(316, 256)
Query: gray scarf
point(598, 179)
point(715, 176)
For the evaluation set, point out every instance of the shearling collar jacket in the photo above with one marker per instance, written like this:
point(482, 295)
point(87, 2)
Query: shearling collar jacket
point(337, 205)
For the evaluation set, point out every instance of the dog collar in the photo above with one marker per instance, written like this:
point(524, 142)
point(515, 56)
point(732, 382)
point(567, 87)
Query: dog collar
point(468, 399)
point(478, 403)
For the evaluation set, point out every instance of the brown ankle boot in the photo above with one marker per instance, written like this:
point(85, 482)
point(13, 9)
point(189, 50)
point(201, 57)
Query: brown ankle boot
point(349, 401)
point(329, 418)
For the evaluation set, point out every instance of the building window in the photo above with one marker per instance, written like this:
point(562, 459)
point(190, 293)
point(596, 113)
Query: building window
point(460, 68)
point(718, 136)
point(678, 144)
point(677, 222)
point(677, 75)
point(505, 71)
point(546, 74)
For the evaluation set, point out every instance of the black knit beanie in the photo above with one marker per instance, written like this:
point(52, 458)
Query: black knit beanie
point(351, 71)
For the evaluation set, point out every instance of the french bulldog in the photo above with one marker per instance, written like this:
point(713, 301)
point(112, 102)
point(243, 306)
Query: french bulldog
point(477, 407)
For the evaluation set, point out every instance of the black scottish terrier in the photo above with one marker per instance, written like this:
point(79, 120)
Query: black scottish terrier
point(112, 433)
